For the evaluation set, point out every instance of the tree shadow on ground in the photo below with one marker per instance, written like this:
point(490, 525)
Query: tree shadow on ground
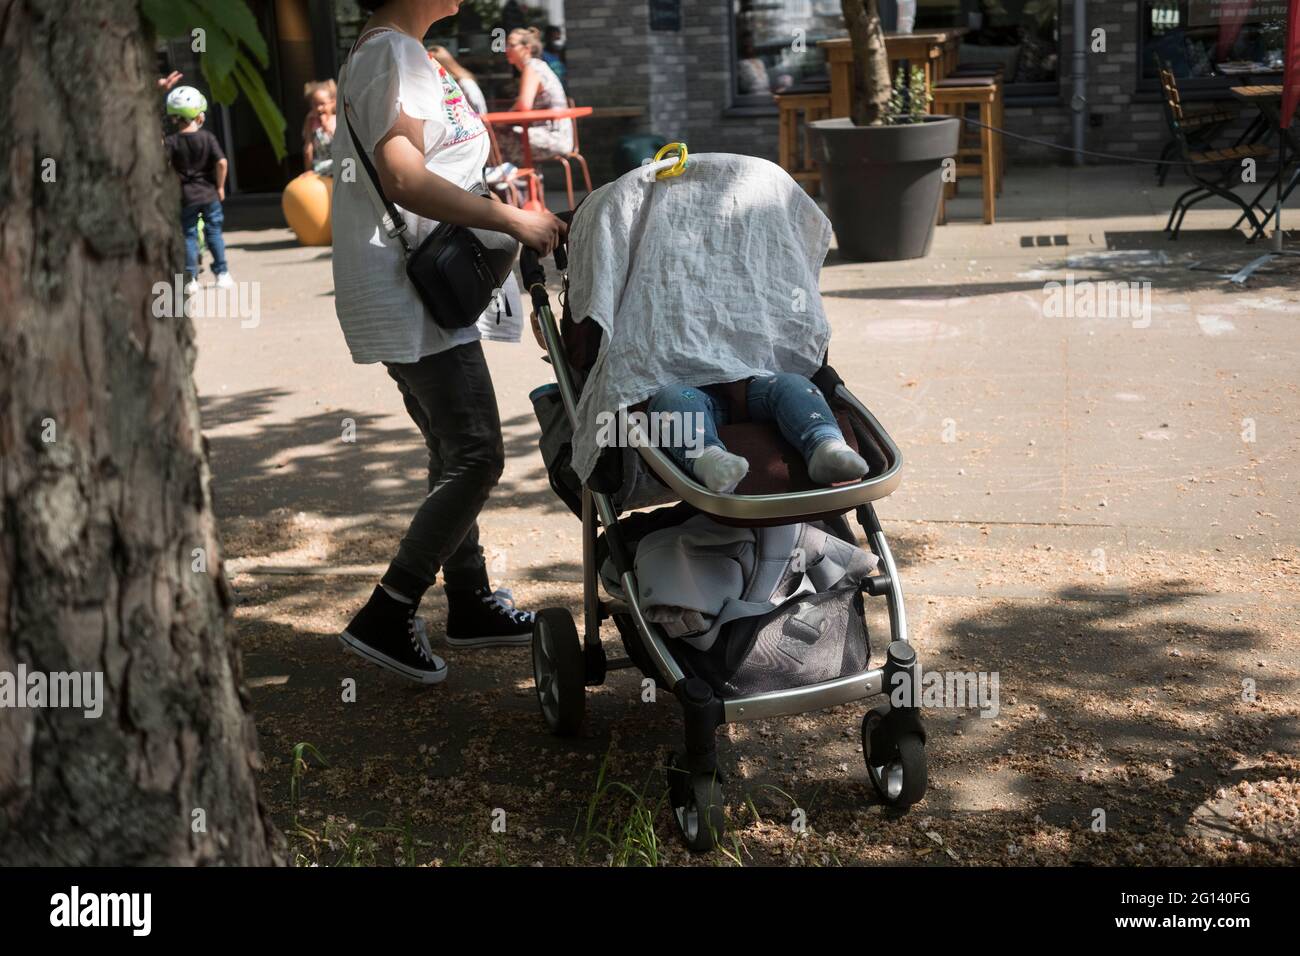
point(307, 463)
point(1132, 705)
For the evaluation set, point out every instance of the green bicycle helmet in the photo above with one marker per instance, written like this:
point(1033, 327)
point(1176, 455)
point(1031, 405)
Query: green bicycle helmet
point(186, 101)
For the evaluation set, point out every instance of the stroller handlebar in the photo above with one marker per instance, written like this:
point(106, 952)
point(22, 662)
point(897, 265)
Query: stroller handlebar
point(530, 264)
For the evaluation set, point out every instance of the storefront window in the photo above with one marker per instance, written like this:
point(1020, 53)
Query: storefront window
point(1022, 35)
point(776, 45)
point(1212, 40)
point(776, 40)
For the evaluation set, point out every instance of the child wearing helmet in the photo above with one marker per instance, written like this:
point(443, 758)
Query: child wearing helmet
point(197, 158)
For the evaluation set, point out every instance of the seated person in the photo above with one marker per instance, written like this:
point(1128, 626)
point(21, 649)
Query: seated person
point(792, 401)
point(539, 89)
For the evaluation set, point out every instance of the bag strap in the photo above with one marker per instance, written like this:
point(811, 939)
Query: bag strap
point(393, 221)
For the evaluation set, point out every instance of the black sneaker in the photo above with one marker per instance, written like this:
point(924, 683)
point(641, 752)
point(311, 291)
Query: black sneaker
point(483, 618)
point(387, 632)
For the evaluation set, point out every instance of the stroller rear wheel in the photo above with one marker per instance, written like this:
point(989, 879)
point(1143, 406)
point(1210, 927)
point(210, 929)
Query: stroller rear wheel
point(895, 757)
point(559, 671)
point(697, 803)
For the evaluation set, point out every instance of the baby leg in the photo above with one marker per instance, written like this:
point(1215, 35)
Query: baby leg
point(807, 422)
point(690, 414)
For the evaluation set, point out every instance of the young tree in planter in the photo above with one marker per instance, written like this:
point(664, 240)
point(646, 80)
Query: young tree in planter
point(881, 166)
point(871, 86)
point(109, 561)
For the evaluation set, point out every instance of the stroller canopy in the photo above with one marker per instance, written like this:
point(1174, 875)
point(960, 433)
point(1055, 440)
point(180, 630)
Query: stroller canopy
point(707, 277)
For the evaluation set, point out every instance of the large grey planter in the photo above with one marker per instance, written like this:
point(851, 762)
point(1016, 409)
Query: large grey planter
point(883, 183)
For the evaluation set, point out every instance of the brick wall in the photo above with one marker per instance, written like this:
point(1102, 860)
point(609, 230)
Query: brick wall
point(681, 78)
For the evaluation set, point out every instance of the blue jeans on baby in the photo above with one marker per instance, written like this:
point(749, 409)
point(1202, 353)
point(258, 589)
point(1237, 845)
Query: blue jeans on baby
point(213, 217)
point(793, 402)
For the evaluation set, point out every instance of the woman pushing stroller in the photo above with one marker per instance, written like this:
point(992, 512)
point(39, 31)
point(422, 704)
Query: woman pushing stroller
point(408, 119)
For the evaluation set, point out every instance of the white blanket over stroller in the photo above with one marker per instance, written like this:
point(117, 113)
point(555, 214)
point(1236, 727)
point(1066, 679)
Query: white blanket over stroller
point(707, 277)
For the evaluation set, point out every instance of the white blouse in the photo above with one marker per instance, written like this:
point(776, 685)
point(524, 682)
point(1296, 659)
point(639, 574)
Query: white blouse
point(382, 317)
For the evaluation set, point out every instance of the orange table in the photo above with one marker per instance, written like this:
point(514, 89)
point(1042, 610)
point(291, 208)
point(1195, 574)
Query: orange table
point(529, 117)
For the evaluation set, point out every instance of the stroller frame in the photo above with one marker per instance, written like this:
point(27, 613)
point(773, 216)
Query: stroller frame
point(893, 737)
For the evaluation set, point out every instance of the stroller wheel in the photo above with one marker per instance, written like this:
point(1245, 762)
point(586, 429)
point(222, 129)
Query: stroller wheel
point(558, 670)
point(697, 803)
point(895, 758)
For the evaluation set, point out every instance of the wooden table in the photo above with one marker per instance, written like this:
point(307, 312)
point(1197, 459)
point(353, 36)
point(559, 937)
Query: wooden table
point(527, 118)
point(1267, 98)
point(935, 51)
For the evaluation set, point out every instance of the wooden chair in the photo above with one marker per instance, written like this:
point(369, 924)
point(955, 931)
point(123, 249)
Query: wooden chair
point(999, 116)
point(953, 96)
point(794, 150)
point(1200, 126)
point(1209, 169)
point(574, 155)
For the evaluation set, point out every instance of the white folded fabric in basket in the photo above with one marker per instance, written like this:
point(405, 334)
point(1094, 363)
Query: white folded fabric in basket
point(696, 577)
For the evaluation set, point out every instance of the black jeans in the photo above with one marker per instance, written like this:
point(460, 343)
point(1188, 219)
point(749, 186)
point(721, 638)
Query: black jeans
point(449, 396)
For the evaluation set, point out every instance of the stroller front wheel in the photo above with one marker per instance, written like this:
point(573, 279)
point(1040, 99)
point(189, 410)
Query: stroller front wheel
point(895, 758)
point(559, 671)
point(697, 805)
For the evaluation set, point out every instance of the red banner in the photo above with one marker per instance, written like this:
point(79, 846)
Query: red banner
point(1291, 70)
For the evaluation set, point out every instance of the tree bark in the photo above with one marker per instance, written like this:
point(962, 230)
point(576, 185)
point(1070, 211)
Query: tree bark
point(871, 83)
point(99, 526)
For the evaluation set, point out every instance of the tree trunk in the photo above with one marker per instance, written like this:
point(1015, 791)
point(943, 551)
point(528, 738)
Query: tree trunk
point(104, 492)
point(871, 84)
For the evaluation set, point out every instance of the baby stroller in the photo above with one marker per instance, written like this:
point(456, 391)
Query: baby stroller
point(778, 493)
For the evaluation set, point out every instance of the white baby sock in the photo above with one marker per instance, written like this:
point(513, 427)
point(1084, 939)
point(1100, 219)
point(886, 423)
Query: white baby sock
point(834, 461)
point(720, 470)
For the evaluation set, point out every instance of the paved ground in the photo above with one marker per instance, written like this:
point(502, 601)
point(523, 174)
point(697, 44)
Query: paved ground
point(1100, 509)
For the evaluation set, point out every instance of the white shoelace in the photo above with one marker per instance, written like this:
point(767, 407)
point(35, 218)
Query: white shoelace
point(420, 640)
point(505, 599)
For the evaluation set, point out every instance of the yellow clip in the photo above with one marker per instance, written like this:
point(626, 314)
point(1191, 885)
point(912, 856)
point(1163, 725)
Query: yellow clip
point(676, 170)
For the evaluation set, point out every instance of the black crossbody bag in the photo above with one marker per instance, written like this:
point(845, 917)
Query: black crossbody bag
point(458, 270)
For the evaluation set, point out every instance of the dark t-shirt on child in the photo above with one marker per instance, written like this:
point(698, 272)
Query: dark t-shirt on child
point(195, 156)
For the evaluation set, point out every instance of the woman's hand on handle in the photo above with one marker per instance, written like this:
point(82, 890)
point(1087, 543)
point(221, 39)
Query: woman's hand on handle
point(538, 230)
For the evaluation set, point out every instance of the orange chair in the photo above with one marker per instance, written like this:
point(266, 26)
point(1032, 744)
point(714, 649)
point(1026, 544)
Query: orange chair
point(573, 154)
point(536, 197)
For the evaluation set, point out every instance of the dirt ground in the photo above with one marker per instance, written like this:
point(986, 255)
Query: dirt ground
point(1081, 513)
